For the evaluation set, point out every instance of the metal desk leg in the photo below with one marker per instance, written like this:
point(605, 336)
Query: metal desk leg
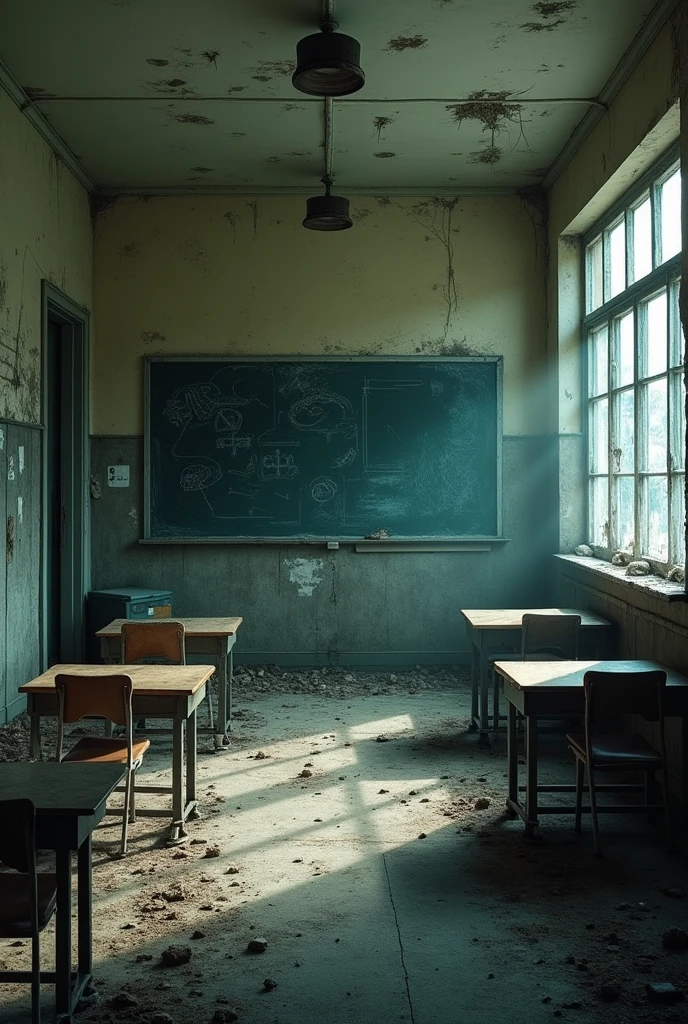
point(35, 741)
point(191, 761)
point(177, 830)
point(531, 831)
point(223, 692)
point(85, 895)
point(511, 759)
point(475, 686)
point(63, 933)
point(483, 738)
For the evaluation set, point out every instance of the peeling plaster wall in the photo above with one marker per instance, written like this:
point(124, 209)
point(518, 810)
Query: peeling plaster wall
point(46, 233)
point(214, 275)
point(217, 275)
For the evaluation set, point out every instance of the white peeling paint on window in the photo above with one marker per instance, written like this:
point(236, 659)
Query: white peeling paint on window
point(305, 573)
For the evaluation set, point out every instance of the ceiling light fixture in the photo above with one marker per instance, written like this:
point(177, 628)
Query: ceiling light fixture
point(328, 63)
point(328, 212)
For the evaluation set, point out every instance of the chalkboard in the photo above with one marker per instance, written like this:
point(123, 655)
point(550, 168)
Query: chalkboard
point(317, 449)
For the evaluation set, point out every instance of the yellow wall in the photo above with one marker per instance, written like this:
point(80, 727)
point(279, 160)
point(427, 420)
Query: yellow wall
point(45, 232)
point(217, 275)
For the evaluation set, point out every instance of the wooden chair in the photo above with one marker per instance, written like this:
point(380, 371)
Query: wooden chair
point(27, 899)
point(607, 695)
point(157, 643)
point(543, 638)
point(107, 697)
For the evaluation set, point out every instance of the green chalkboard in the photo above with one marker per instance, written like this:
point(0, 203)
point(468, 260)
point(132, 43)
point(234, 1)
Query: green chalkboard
point(318, 449)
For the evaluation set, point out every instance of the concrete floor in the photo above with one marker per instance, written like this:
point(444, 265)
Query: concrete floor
point(382, 893)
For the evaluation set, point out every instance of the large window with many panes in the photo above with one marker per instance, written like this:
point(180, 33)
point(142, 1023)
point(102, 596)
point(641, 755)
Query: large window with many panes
point(635, 378)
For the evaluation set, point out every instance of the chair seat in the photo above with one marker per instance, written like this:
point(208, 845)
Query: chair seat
point(104, 750)
point(15, 903)
point(617, 751)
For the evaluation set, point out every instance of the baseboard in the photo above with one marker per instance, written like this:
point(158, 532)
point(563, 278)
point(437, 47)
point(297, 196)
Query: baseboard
point(352, 659)
point(12, 710)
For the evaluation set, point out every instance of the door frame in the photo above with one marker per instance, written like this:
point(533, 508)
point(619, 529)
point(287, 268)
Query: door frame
point(76, 552)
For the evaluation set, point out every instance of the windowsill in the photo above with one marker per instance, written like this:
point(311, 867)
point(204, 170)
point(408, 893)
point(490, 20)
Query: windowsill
point(657, 586)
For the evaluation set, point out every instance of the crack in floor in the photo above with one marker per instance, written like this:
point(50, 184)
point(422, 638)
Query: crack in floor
point(401, 945)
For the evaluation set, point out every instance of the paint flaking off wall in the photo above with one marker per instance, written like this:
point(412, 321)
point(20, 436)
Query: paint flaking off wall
point(305, 573)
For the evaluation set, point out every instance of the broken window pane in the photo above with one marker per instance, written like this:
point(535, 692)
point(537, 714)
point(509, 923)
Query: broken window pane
point(642, 240)
point(599, 437)
point(678, 421)
point(624, 513)
point(653, 336)
point(624, 349)
point(597, 366)
point(623, 441)
point(594, 275)
point(599, 512)
point(653, 425)
point(616, 246)
point(678, 519)
point(677, 341)
point(671, 216)
point(655, 506)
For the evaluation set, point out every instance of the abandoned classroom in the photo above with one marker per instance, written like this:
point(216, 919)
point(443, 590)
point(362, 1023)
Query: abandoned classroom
point(343, 343)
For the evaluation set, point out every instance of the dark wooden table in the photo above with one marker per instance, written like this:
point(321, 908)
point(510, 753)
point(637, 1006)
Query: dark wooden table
point(490, 630)
point(213, 636)
point(553, 689)
point(70, 801)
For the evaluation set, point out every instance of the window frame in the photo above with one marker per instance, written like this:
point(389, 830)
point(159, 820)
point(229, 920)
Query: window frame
point(662, 277)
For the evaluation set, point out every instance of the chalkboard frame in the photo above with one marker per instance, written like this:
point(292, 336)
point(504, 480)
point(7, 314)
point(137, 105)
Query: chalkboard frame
point(469, 541)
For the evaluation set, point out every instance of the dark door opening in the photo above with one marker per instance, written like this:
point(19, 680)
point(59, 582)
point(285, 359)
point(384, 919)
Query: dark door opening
point(54, 505)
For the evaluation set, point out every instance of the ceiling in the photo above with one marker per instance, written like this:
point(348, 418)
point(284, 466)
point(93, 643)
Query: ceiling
point(173, 95)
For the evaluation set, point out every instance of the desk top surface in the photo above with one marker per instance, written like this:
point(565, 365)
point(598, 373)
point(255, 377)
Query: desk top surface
point(511, 618)
point(54, 788)
point(192, 627)
point(151, 680)
point(550, 675)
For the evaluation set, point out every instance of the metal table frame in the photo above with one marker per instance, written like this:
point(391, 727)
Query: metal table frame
point(539, 700)
point(488, 642)
point(181, 709)
point(218, 648)
point(67, 831)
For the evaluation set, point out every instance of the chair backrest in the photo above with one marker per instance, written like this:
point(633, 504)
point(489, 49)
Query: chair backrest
point(153, 642)
point(18, 834)
point(610, 694)
point(104, 696)
point(550, 634)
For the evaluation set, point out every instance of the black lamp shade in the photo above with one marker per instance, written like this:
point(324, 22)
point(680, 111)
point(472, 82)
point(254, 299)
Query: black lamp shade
point(327, 213)
point(328, 64)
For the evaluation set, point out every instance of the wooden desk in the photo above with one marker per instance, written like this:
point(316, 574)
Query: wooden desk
point(70, 801)
point(494, 630)
point(214, 637)
point(555, 688)
point(160, 691)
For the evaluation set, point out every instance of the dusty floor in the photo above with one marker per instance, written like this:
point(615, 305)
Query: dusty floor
point(382, 892)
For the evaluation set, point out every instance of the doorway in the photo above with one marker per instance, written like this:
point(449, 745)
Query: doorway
point(66, 561)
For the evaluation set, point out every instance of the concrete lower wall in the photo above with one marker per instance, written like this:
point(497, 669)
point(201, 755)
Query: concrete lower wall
point(338, 606)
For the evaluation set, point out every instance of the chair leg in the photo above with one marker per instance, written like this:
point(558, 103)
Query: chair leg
point(125, 815)
point(580, 778)
point(649, 794)
point(132, 799)
point(35, 979)
point(667, 810)
point(593, 812)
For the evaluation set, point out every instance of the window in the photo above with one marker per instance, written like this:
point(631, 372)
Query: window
point(635, 374)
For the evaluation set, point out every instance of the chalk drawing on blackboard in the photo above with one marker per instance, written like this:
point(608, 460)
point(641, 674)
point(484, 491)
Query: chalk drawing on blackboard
point(339, 461)
point(387, 450)
point(278, 466)
point(197, 477)
point(322, 413)
point(323, 489)
point(436, 388)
